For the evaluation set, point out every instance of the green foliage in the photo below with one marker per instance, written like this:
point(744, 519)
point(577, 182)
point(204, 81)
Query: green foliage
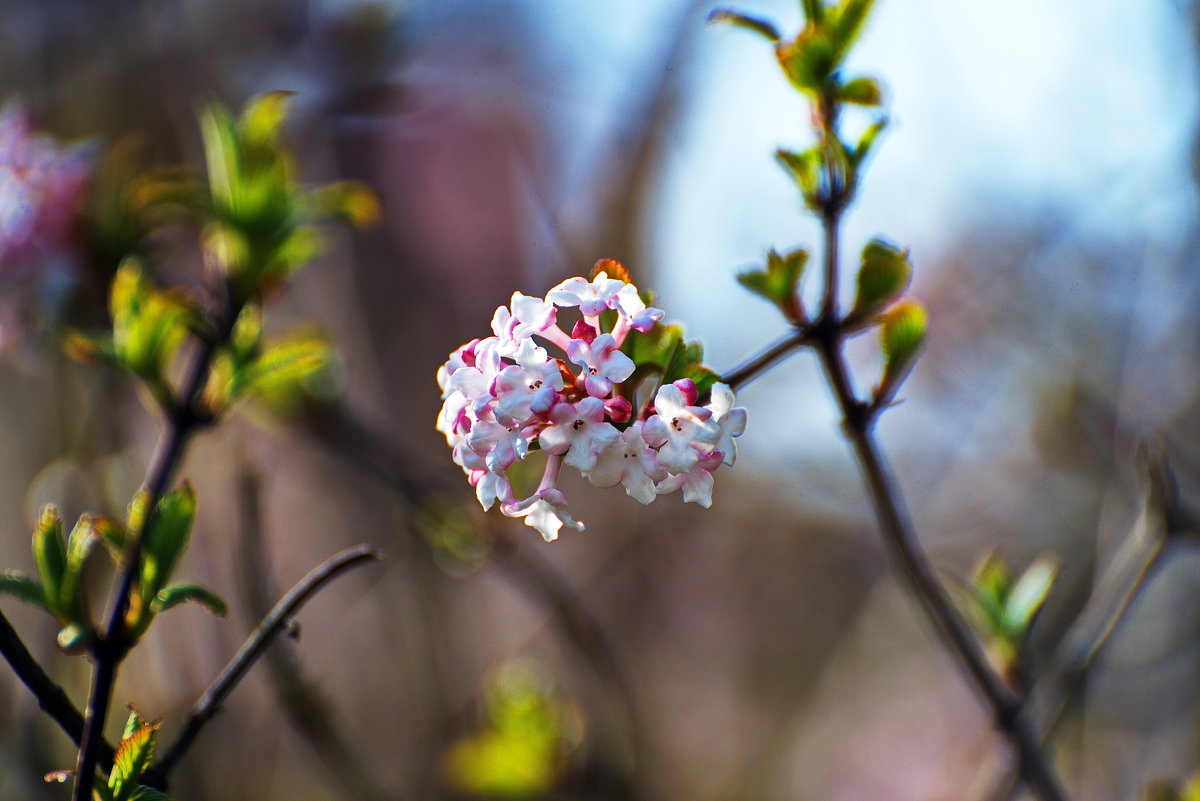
point(261, 222)
point(901, 336)
point(662, 352)
point(165, 542)
point(50, 555)
point(759, 26)
point(883, 276)
point(177, 594)
point(60, 566)
point(519, 751)
point(277, 373)
point(779, 282)
point(860, 92)
point(1171, 790)
point(1003, 605)
point(131, 760)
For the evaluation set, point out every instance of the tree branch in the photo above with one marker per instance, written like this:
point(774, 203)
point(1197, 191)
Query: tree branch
point(50, 696)
point(274, 622)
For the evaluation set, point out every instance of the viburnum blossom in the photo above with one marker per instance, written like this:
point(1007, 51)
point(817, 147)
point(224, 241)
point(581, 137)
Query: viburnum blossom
point(507, 398)
point(41, 189)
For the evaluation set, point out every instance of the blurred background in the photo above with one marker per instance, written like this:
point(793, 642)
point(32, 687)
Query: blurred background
point(1041, 165)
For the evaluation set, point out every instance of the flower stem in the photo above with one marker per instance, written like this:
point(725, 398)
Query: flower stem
point(183, 419)
point(264, 633)
point(898, 534)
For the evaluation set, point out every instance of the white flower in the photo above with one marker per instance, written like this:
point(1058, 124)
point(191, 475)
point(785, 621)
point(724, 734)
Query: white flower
point(731, 420)
point(681, 432)
point(697, 483)
point(580, 431)
point(603, 364)
point(591, 298)
point(631, 462)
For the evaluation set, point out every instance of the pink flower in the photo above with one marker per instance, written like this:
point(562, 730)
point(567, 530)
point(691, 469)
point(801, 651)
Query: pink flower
point(591, 297)
point(603, 364)
point(631, 462)
point(696, 483)
point(580, 431)
point(731, 420)
point(680, 431)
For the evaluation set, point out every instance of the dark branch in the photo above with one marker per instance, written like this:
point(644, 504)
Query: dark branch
point(268, 628)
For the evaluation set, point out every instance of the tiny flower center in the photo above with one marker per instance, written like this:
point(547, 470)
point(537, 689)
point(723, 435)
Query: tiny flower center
point(593, 371)
point(536, 385)
point(578, 424)
point(675, 425)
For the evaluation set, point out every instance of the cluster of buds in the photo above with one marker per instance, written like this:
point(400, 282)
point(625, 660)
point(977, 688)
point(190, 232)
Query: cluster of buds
point(506, 397)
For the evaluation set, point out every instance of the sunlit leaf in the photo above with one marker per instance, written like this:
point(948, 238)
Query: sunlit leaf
point(263, 116)
point(882, 277)
point(779, 282)
point(82, 540)
point(805, 169)
point(901, 336)
point(847, 22)
point(350, 201)
point(133, 756)
point(866, 142)
point(23, 587)
point(50, 554)
point(183, 593)
point(860, 92)
point(1028, 595)
point(759, 26)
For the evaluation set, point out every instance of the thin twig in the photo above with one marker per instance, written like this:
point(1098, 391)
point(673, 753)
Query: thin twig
point(754, 366)
point(184, 418)
point(51, 697)
point(274, 622)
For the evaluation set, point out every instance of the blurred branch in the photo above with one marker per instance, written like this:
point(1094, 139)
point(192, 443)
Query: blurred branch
point(50, 696)
point(1162, 520)
point(183, 419)
point(373, 452)
point(279, 618)
point(755, 365)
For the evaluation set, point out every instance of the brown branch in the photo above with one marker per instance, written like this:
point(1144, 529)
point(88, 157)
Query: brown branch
point(50, 696)
point(268, 628)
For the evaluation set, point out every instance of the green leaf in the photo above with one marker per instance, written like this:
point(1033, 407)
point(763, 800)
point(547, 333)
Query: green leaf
point(883, 276)
point(287, 365)
point(50, 555)
point(901, 335)
point(761, 27)
point(132, 758)
point(779, 282)
point(1028, 595)
point(221, 155)
point(860, 92)
point(148, 324)
point(165, 542)
point(814, 10)
point(847, 22)
point(263, 116)
point(143, 793)
point(805, 169)
point(350, 201)
point(23, 587)
point(866, 142)
point(82, 540)
point(809, 60)
point(181, 593)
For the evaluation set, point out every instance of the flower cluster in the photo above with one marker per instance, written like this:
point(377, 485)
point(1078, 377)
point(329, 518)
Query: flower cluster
point(506, 397)
point(41, 189)
point(41, 184)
